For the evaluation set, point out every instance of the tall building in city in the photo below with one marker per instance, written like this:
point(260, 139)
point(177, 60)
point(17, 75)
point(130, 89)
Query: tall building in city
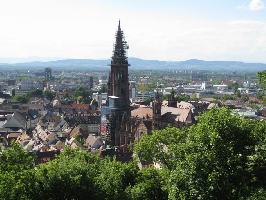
point(172, 100)
point(91, 82)
point(118, 92)
point(157, 111)
point(132, 90)
point(118, 78)
point(48, 74)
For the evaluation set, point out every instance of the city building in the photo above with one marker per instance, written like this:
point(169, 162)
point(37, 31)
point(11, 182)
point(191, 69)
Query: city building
point(48, 74)
point(118, 92)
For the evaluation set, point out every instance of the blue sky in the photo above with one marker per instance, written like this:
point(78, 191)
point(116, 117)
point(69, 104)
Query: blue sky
point(154, 29)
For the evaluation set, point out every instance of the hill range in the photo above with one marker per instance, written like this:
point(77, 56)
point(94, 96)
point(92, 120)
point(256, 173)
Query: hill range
point(137, 64)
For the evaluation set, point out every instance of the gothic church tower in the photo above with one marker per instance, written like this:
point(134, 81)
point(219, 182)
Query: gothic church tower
point(118, 79)
point(118, 92)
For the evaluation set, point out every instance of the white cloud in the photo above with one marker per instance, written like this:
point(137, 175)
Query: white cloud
point(85, 29)
point(256, 5)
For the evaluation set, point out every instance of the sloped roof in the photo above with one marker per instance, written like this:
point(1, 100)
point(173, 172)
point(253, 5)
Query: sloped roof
point(13, 135)
point(75, 132)
point(43, 135)
point(15, 121)
point(77, 106)
point(179, 114)
point(142, 112)
point(184, 105)
point(169, 114)
point(212, 105)
point(93, 141)
point(59, 145)
point(59, 124)
point(23, 137)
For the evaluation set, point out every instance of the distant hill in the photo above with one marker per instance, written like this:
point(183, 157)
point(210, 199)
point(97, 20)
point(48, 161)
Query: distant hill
point(136, 63)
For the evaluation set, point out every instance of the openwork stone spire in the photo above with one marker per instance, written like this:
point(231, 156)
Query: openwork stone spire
point(118, 85)
point(120, 49)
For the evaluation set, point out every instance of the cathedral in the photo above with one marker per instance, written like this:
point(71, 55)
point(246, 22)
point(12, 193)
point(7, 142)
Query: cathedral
point(127, 124)
point(118, 93)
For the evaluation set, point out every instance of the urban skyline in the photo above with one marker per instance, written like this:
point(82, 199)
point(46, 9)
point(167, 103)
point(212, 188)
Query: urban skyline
point(188, 130)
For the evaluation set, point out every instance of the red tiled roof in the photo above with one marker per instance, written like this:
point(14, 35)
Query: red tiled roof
point(142, 112)
point(77, 106)
point(81, 106)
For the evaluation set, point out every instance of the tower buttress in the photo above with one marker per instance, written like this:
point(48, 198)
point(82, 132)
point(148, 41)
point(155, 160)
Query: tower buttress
point(172, 100)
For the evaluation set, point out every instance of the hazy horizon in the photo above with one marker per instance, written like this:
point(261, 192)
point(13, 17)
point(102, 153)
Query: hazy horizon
point(12, 61)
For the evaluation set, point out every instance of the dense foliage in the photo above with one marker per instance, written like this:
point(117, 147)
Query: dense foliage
point(34, 93)
point(221, 157)
point(262, 82)
point(83, 95)
point(74, 174)
point(21, 98)
point(103, 89)
point(262, 79)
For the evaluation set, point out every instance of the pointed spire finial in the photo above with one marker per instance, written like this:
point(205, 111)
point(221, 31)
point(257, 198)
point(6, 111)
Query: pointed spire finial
point(119, 28)
point(120, 48)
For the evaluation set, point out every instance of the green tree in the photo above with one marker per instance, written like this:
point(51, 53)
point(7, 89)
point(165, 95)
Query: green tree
point(103, 89)
point(238, 94)
point(229, 97)
point(49, 95)
point(70, 176)
point(115, 177)
point(16, 175)
point(17, 185)
point(146, 87)
point(83, 95)
point(221, 157)
point(147, 101)
point(159, 147)
point(259, 194)
point(21, 98)
point(234, 86)
point(183, 97)
point(262, 79)
point(74, 174)
point(14, 158)
point(149, 185)
point(245, 98)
